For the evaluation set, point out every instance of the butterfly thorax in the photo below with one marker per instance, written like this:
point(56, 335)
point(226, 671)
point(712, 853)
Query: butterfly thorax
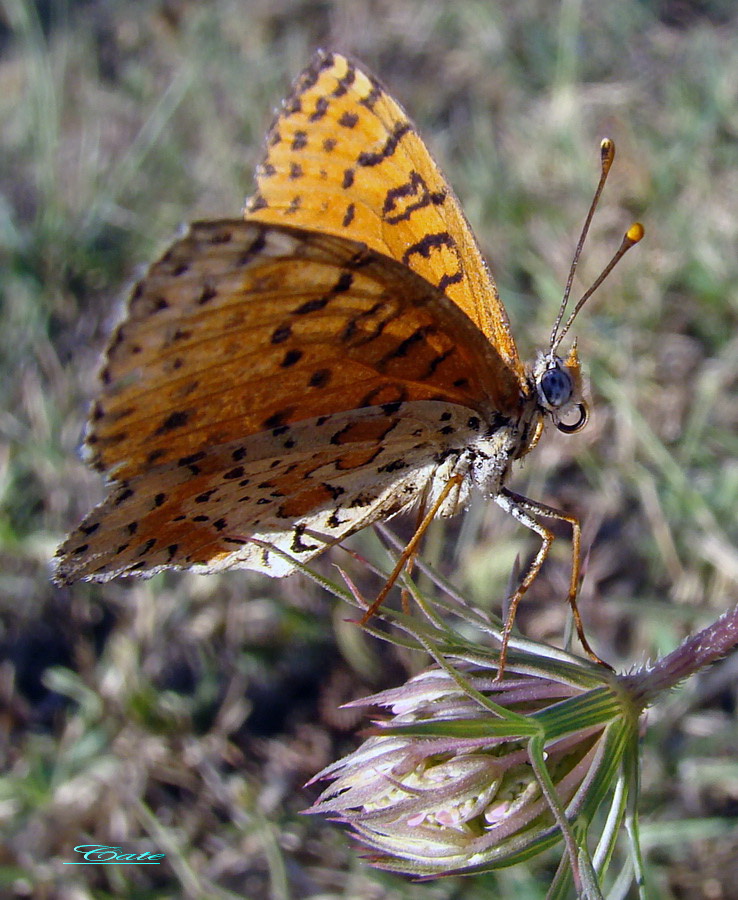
point(554, 392)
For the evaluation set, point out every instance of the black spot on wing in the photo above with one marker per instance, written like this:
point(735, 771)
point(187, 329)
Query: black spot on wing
point(257, 202)
point(345, 81)
point(298, 545)
point(177, 419)
point(427, 244)
point(394, 211)
point(310, 306)
point(348, 120)
point(404, 347)
point(390, 145)
point(147, 546)
point(278, 419)
point(290, 358)
point(292, 105)
point(374, 94)
point(281, 334)
point(395, 466)
point(348, 216)
point(206, 295)
point(320, 378)
point(321, 108)
point(447, 280)
point(124, 495)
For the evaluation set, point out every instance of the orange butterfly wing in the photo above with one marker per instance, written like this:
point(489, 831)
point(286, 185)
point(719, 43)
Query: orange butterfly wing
point(343, 157)
point(236, 346)
point(241, 328)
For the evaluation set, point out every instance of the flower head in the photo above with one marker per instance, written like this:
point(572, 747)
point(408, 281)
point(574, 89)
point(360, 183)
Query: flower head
point(469, 773)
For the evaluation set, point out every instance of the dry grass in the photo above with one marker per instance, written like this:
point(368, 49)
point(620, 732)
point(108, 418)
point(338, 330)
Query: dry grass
point(183, 714)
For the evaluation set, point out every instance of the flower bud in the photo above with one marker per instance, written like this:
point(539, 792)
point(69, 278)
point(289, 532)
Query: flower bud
point(470, 773)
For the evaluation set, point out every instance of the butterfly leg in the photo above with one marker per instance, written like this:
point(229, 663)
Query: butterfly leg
point(405, 595)
point(525, 511)
point(409, 551)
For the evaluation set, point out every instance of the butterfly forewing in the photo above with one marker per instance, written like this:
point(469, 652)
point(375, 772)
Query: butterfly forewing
point(343, 153)
point(242, 328)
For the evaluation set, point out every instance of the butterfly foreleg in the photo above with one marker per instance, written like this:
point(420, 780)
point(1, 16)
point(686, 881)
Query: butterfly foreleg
point(526, 511)
point(407, 554)
point(410, 565)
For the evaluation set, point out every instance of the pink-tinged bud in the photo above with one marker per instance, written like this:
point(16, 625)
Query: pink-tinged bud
point(470, 773)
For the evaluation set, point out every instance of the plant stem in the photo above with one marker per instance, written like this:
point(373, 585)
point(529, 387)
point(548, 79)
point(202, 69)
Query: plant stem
point(695, 653)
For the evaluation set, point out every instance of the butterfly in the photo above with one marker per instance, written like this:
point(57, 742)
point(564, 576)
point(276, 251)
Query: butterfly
point(336, 356)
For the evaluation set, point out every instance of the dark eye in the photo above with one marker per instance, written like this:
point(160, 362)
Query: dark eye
point(556, 387)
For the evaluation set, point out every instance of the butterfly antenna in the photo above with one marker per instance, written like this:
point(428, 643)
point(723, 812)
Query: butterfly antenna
point(630, 238)
point(607, 155)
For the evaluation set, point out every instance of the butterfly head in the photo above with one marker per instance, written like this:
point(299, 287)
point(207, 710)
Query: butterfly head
point(558, 386)
point(556, 393)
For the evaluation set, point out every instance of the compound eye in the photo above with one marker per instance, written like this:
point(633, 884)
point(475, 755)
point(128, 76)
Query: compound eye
point(556, 387)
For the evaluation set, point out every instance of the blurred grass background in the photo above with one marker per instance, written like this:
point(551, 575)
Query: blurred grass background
point(182, 715)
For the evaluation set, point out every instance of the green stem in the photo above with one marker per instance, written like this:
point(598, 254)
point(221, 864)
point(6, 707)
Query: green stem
point(695, 653)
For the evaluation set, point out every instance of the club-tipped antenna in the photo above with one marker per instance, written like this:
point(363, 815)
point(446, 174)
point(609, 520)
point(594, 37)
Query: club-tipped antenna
point(630, 238)
point(607, 155)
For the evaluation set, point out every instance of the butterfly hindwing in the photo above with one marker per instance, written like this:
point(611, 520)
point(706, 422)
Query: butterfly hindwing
point(297, 489)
